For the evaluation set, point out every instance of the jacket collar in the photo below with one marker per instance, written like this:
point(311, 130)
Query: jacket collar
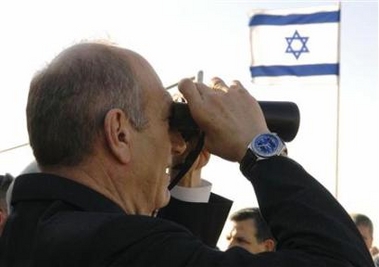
point(42, 186)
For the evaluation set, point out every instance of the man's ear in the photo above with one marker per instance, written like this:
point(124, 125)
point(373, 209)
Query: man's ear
point(117, 134)
point(269, 244)
point(203, 158)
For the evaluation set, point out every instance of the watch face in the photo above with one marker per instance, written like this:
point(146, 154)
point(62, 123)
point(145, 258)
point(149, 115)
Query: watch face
point(266, 145)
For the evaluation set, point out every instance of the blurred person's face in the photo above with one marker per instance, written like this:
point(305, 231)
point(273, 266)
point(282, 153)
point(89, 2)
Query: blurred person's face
point(153, 146)
point(243, 234)
point(367, 237)
point(3, 215)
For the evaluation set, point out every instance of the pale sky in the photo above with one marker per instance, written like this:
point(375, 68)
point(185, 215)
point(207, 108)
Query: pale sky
point(181, 37)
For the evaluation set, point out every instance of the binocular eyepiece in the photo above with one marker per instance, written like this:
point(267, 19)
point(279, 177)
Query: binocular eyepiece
point(281, 117)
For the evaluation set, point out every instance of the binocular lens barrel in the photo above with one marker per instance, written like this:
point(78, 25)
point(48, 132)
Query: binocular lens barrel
point(281, 117)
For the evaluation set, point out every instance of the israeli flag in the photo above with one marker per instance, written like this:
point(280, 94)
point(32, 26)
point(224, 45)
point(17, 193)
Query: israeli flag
point(295, 45)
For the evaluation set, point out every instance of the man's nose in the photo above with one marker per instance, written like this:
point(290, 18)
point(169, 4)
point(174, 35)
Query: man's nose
point(230, 239)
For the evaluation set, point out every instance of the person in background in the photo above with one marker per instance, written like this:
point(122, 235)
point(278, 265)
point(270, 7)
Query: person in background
point(98, 122)
point(250, 231)
point(366, 228)
point(5, 181)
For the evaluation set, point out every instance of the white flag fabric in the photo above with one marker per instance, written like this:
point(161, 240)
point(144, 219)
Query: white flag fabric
point(295, 45)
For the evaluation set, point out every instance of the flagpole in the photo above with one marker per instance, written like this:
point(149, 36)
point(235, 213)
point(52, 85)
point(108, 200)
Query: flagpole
point(338, 109)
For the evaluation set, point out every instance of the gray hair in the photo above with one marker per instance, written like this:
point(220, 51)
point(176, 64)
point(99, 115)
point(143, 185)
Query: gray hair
point(69, 99)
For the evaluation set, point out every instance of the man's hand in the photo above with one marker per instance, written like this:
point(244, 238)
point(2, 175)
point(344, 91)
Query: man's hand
point(229, 116)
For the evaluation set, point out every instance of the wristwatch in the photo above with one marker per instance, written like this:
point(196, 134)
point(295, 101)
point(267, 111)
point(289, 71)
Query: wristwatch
point(263, 146)
point(267, 145)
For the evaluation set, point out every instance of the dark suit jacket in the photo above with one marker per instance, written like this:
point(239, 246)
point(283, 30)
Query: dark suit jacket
point(57, 222)
point(204, 220)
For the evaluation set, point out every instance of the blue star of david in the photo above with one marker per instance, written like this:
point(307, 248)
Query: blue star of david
point(297, 40)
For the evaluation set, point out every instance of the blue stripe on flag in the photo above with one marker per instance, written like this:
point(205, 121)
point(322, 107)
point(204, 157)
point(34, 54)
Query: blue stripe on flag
point(320, 17)
point(299, 70)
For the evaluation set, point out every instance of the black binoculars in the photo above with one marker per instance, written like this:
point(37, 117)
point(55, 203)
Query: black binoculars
point(281, 117)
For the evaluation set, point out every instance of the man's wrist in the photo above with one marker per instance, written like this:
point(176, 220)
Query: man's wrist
point(247, 162)
point(250, 159)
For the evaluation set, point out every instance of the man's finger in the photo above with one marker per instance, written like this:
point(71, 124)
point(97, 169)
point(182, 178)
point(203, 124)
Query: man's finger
point(235, 85)
point(190, 92)
point(218, 84)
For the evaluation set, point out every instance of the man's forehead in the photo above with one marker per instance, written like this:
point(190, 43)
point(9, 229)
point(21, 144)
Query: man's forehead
point(364, 229)
point(147, 78)
point(142, 69)
point(247, 223)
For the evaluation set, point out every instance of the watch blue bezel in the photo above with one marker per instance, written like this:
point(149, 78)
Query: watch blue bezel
point(267, 145)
